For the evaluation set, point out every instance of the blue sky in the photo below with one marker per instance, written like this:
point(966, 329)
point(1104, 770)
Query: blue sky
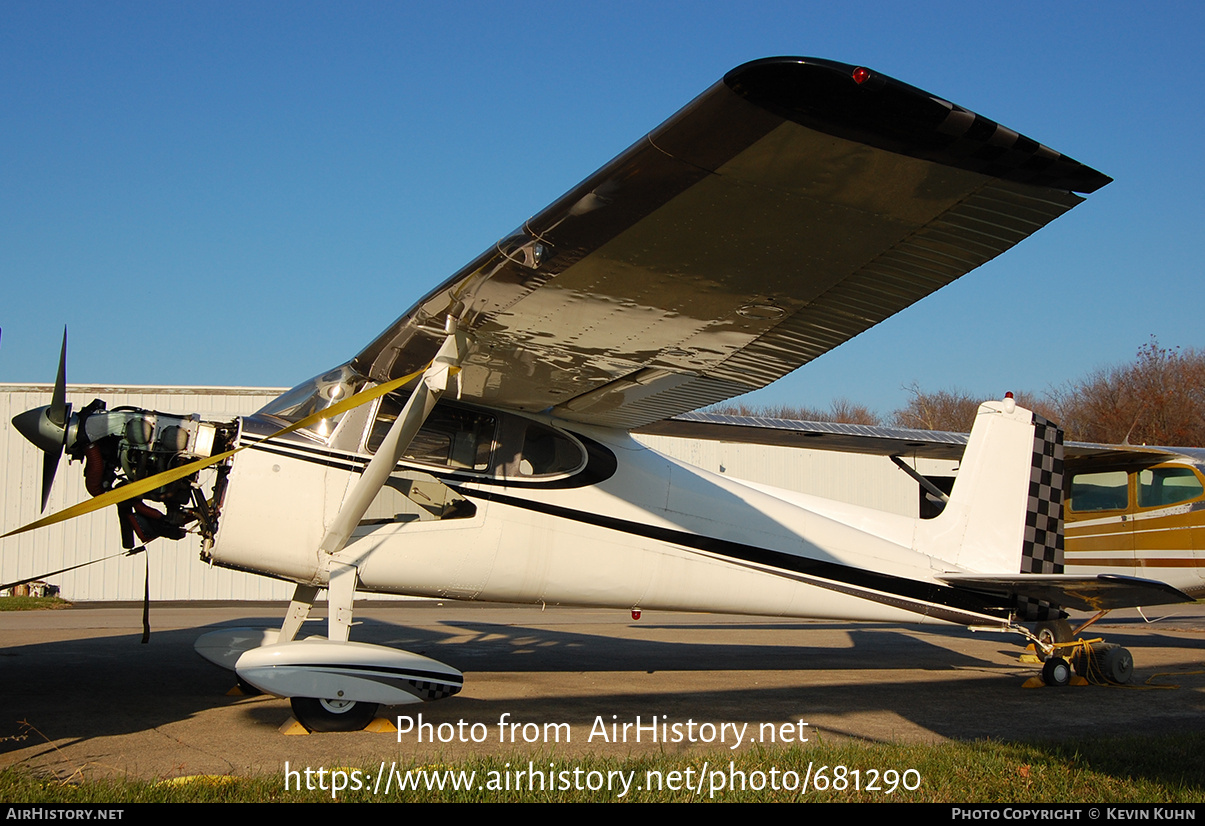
point(246, 193)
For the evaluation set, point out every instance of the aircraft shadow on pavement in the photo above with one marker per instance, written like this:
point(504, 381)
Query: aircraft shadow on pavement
point(831, 674)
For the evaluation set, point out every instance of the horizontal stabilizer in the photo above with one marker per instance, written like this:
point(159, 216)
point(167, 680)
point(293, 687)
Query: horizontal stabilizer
point(1082, 593)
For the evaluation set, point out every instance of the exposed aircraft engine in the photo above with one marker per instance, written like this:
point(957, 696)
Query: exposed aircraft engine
point(127, 444)
point(148, 441)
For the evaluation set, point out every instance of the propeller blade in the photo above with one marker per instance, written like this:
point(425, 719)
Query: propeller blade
point(46, 427)
point(50, 466)
point(57, 412)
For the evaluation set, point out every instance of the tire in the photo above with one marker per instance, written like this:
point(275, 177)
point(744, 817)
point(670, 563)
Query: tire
point(1052, 631)
point(1056, 672)
point(333, 715)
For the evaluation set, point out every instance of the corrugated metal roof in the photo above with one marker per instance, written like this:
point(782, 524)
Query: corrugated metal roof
point(877, 440)
point(847, 438)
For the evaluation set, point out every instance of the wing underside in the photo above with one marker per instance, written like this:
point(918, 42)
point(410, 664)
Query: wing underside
point(785, 210)
point(1082, 593)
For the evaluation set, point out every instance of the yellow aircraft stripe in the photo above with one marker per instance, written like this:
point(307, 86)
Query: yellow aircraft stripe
point(144, 486)
point(1123, 562)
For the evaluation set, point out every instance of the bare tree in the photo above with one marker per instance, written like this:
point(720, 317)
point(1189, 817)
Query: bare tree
point(1157, 400)
point(944, 410)
point(841, 410)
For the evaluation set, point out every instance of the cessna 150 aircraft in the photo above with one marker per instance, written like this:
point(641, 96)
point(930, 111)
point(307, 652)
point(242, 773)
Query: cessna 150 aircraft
point(479, 448)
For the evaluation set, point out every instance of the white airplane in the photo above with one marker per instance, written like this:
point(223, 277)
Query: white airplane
point(480, 448)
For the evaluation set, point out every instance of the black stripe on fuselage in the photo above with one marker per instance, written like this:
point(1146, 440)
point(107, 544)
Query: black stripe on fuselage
point(926, 598)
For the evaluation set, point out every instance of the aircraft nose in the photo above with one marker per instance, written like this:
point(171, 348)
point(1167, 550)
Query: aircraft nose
point(36, 426)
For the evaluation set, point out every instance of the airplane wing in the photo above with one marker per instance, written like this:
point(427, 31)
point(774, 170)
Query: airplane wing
point(841, 437)
point(877, 440)
point(794, 204)
point(1104, 592)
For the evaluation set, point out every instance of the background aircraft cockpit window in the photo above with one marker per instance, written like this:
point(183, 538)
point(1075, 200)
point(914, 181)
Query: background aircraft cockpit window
point(316, 394)
point(1167, 486)
point(452, 437)
point(1101, 491)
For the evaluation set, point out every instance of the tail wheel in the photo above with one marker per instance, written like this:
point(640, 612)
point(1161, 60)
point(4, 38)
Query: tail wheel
point(1056, 672)
point(333, 715)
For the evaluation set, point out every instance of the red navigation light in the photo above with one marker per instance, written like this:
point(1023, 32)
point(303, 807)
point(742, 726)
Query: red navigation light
point(1008, 395)
point(860, 74)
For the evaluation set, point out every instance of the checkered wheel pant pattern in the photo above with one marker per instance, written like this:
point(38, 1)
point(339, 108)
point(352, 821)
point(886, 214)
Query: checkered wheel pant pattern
point(429, 690)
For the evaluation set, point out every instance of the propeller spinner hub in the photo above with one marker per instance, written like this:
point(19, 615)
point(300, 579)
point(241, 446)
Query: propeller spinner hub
point(39, 426)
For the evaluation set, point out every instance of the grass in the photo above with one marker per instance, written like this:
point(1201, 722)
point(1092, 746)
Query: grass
point(32, 603)
point(1167, 769)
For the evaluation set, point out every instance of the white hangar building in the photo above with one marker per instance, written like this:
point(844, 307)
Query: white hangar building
point(176, 571)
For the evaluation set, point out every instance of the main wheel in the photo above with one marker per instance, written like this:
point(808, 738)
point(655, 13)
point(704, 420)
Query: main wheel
point(1056, 671)
point(333, 715)
point(1053, 631)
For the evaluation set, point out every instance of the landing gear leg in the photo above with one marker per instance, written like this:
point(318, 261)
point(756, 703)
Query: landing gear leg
point(299, 611)
point(334, 713)
point(340, 596)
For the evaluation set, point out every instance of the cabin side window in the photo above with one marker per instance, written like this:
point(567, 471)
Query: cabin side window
point(498, 443)
point(528, 449)
point(1100, 491)
point(1162, 486)
point(451, 437)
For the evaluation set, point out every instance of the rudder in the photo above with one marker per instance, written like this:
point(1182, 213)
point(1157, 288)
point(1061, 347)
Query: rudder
point(1005, 513)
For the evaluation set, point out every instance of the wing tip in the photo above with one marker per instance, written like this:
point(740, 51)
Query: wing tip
point(859, 104)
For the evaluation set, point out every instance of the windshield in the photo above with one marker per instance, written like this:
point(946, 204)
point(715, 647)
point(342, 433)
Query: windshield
point(316, 394)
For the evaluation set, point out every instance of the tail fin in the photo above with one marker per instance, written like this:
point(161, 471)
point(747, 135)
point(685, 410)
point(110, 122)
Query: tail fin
point(1005, 513)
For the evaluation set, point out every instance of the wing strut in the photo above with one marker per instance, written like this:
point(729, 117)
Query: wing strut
point(430, 387)
point(931, 488)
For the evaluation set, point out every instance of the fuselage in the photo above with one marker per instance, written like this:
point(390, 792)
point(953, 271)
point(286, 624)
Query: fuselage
point(562, 513)
point(1143, 516)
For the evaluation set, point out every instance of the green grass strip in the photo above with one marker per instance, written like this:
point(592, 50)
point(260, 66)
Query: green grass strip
point(1139, 769)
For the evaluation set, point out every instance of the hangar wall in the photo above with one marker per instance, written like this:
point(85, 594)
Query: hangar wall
point(176, 571)
point(871, 481)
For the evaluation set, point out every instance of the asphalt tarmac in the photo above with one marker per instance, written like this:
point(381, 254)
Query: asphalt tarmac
point(83, 697)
